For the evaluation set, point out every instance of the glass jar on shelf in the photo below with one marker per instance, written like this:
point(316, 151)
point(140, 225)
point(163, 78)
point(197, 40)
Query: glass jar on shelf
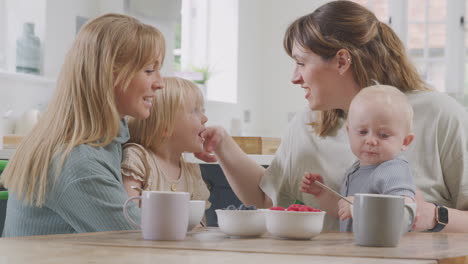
point(28, 51)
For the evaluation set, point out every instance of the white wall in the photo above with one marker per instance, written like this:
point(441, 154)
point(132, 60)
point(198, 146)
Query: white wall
point(60, 30)
point(264, 67)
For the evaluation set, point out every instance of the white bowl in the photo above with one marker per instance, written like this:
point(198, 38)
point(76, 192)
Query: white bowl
point(196, 212)
point(241, 223)
point(293, 224)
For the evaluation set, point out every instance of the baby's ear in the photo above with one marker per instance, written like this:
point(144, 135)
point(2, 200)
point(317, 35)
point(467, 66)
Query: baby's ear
point(407, 141)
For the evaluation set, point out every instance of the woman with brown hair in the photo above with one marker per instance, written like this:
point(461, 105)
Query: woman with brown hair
point(65, 175)
point(339, 49)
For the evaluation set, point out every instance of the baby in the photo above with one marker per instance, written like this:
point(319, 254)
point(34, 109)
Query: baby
point(379, 126)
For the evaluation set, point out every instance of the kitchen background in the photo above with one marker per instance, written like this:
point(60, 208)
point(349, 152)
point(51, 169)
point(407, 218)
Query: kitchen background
point(237, 44)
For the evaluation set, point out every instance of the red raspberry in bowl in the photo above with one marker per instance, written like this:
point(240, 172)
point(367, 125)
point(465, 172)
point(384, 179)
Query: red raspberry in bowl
point(302, 208)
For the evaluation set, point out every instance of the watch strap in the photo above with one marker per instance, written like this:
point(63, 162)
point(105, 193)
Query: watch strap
point(439, 224)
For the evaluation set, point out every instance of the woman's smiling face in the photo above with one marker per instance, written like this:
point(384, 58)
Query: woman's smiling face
point(318, 78)
point(136, 100)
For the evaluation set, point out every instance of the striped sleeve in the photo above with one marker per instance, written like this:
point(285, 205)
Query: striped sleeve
point(93, 201)
point(394, 177)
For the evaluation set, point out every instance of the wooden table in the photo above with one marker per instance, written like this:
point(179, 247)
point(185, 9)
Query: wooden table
point(210, 246)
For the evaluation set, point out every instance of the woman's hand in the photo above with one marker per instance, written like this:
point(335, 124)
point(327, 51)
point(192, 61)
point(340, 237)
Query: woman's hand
point(344, 208)
point(308, 185)
point(213, 137)
point(425, 213)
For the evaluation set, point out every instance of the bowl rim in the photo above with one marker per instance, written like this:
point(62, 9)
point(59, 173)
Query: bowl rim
point(295, 212)
point(243, 211)
point(197, 201)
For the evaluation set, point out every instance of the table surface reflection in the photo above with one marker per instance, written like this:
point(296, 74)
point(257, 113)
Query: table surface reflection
point(209, 245)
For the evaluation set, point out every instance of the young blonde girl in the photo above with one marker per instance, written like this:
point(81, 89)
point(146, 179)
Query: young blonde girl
point(152, 159)
point(65, 175)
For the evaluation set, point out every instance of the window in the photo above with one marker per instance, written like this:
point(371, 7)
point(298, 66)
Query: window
point(379, 7)
point(433, 32)
point(208, 31)
point(427, 38)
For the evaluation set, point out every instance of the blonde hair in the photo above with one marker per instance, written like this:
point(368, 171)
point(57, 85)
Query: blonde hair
point(153, 131)
point(376, 51)
point(386, 96)
point(107, 52)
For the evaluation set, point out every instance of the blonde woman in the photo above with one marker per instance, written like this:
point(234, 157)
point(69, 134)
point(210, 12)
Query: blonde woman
point(152, 160)
point(339, 49)
point(65, 176)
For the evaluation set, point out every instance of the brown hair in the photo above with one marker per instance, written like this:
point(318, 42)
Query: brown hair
point(376, 51)
point(107, 52)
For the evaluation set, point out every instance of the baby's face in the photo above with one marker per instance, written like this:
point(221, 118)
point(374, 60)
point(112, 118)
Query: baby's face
point(376, 134)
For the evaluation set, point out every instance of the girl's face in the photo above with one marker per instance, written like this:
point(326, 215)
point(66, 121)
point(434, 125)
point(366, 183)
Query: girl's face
point(190, 123)
point(137, 100)
point(324, 86)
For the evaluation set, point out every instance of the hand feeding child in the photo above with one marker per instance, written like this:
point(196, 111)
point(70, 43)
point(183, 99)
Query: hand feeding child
point(152, 158)
point(379, 124)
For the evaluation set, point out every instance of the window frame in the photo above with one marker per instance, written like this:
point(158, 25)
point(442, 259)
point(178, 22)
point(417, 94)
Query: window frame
point(454, 78)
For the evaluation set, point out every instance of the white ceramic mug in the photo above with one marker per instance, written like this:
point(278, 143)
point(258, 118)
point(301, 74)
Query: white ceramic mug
point(380, 220)
point(164, 215)
point(196, 213)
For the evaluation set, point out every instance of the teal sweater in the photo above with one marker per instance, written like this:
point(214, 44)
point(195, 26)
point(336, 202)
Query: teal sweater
point(87, 197)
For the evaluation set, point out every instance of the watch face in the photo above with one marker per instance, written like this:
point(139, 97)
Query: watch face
point(442, 214)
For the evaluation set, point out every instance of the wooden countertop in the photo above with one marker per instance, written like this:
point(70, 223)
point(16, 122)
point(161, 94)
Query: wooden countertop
point(210, 245)
point(27, 252)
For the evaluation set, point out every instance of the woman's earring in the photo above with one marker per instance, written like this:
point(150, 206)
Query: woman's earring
point(349, 60)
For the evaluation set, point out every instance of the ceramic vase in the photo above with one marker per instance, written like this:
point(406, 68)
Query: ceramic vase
point(28, 51)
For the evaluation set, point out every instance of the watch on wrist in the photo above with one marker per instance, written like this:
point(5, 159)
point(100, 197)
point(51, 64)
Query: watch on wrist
point(441, 216)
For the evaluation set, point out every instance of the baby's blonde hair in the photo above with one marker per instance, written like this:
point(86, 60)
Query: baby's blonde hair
point(386, 96)
point(153, 131)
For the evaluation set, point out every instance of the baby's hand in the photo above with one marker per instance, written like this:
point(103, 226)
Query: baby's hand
point(344, 208)
point(308, 185)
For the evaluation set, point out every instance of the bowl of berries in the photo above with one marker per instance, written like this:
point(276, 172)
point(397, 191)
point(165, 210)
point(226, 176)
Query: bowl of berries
point(298, 221)
point(242, 221)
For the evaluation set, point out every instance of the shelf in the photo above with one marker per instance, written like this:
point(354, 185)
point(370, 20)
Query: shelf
point(27, 78)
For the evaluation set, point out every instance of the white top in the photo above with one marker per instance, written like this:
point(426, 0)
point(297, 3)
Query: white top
point(438, 155)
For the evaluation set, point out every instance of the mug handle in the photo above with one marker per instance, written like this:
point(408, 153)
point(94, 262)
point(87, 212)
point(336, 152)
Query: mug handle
point(125, 211)
point(409, 214)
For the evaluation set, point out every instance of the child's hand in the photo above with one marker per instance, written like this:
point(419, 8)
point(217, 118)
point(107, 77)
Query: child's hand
point(213, 137)
point(308, 185)
point(344, 208)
